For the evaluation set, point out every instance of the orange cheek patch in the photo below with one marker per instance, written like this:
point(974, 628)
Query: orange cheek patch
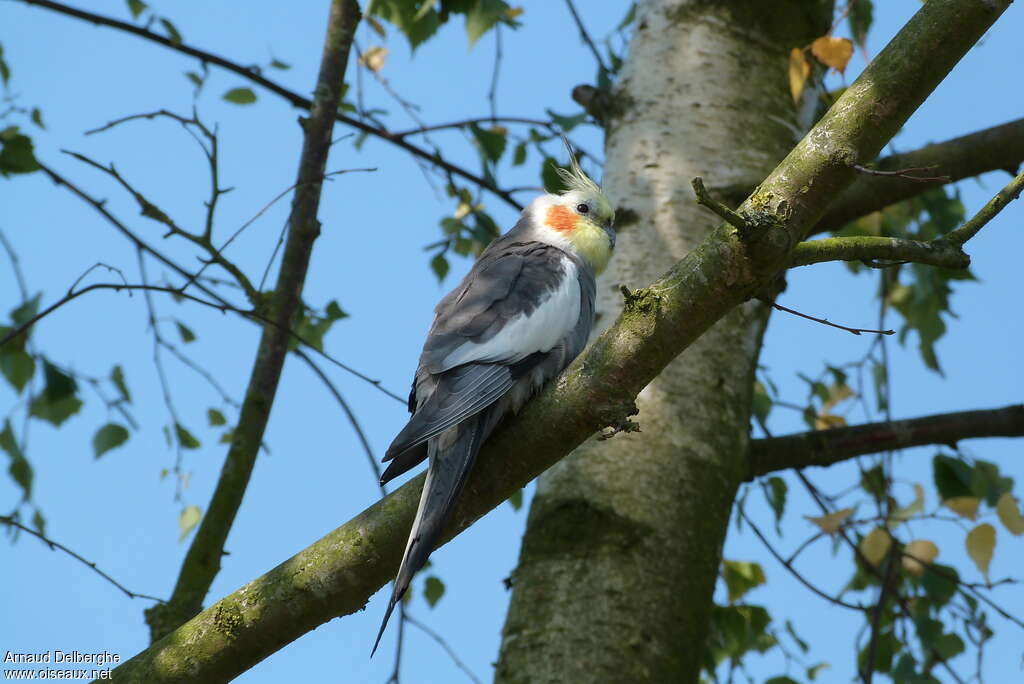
point(561, 219)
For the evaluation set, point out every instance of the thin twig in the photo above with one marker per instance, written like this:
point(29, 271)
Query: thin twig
point(789, 566)
point(825, 321)
point(348, 413)
point(7, 520)
point(117, 287)
point(904, 173)
point(444, 644)
point(988, 212)
point(584, 36)
point(431, 156)
point(728, 215)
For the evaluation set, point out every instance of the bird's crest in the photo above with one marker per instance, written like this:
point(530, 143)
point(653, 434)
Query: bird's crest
point(574, 177)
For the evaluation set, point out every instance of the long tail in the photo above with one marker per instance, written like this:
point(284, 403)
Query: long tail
point(449, 466)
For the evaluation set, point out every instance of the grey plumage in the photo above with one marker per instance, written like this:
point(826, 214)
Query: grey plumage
point(470, 377)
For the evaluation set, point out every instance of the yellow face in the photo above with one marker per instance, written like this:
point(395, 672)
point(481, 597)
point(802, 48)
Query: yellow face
point(584, 219)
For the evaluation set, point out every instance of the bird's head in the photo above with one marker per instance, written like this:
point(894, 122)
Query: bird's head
point(579, 218)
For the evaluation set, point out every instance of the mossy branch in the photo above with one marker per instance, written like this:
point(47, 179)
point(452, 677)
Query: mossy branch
point(867, 248)
point(336, 575)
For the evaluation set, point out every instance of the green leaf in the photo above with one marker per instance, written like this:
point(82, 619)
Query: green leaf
point(482, 17)
point(187, 521)
point(172, 31)
point(987, 483)
point(17, 154)
point(58, 384)
point(761, 403)
point(278, 64)
point(196, 79)
point(516, 500)
point(812, 672)
point(492, 142)
point(886, 645)
point(736, 630)
point(860, 17)
point(5, 71)
point(117, 377)
point(874, 482)
point(433, 590)
point(57, 402)
point(108, 437)
point(136, 7)
point(19, 468)
point(215, 417)
point(242, 96)
point(55, 412)
point(186, 333)
point(775, 489)
point(18, 367)
point(519, 156)
point(37, 117)
point(439, 264)
point(418, 24)
point(952, 477)
point(567, 123)
point(940, 583)
point(549, 176)
point(782, 679)
point(629, 18)
point(740, 577)
point(185, 438)
point(334, 311)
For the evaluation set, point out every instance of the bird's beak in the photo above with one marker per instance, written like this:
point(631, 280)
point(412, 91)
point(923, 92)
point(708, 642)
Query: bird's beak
point(610, 232)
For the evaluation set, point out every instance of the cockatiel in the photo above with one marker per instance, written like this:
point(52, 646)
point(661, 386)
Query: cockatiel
point(523, 312)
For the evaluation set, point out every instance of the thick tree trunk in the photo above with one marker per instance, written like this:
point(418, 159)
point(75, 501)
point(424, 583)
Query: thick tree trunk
point(623, 542)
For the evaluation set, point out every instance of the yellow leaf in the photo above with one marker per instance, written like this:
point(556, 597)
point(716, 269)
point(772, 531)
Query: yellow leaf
point(917, 554)
point(875, 545)
point(373, 58)
point(799, 70)
point(514, 12)
point(964, 506)
point(831, 523)
point(827, 421)
point(837, 394)
point(833, 52)
point(1010, 515)
point(981, 541)
point(188, 519)
point(915, 507)
point(499, 130)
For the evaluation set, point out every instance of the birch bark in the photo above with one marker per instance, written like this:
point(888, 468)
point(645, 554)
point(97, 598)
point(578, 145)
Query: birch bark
point(623, 541)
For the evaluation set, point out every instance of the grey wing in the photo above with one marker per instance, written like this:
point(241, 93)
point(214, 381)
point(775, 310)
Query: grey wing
point(466, 365)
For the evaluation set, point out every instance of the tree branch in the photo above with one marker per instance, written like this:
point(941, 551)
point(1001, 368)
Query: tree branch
point(202, 562)
point(825, 447)
point(252, 74)
point(941, 253)
point(999, 147)
point(991, 209)
point(336, 575)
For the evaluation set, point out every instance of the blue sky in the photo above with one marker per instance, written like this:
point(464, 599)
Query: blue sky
point(120, 514)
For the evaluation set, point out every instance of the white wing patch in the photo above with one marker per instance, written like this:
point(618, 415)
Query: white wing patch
point(551, 321)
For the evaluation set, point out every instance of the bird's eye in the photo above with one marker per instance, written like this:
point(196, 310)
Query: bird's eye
point(582, 208)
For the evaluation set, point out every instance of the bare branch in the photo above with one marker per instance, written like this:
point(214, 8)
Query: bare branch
point(584, 36)
point(991, 149)
point(202, 562)
point(825, 321)
point(825, 447)
point(294, 98)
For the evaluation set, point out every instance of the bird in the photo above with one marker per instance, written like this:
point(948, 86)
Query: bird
point(520, 316)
